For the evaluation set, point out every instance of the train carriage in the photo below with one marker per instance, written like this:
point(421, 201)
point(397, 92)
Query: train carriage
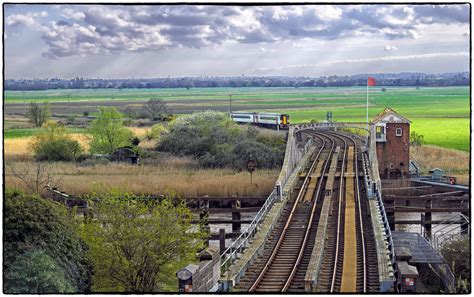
point(269, 120)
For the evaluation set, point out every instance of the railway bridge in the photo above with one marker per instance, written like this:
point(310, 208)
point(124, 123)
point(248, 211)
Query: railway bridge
point(323, 228)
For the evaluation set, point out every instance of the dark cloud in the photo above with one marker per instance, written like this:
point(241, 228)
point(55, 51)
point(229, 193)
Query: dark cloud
point(110, 29)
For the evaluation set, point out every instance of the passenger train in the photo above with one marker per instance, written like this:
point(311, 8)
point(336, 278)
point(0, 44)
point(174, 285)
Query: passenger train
point(263, 119)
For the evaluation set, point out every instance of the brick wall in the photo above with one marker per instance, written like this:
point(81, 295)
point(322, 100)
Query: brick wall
point(394, 154)
point(206, 275)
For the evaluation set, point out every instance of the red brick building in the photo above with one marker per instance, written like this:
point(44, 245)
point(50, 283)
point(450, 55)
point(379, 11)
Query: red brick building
point(392, 132)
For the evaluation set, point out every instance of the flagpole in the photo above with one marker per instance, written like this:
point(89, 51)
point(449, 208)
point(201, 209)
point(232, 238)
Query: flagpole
point(367, 106)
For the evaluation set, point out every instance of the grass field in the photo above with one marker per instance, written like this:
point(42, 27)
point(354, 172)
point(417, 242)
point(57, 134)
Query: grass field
point(442, 115)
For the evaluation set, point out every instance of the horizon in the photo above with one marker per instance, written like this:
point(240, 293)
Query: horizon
point(241, 76)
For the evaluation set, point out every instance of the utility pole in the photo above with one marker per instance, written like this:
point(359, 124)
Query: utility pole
point(69, 104)
point(230, 104)
point(24, 103)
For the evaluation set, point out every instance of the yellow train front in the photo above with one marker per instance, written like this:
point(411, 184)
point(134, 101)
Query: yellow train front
point(262, 119)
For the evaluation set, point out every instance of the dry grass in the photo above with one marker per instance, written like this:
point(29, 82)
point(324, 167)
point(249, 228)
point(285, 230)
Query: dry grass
point(20, 147)
point(172, 174)
point(453, 162)
point(138, 131)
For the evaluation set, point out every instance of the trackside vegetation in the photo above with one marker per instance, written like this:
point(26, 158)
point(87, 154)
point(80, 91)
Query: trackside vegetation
point(216, 142)
point(142, 252)
point(38, 234)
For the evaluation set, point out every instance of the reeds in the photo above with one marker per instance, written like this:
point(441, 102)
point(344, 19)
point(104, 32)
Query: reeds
point(453, 162)
point(173, 174)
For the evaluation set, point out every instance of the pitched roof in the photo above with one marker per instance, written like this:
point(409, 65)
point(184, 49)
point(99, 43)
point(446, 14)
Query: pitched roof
point(379, 117)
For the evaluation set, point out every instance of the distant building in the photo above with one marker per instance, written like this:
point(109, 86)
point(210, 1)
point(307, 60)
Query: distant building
point(125, 154)
point(392, 132)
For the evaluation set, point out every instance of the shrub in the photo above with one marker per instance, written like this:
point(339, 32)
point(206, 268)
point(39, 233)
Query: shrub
point(215, 141)
point(155, 132)
point(32, 224)
point(416, 139)
point(36, 273)
point(53, 143)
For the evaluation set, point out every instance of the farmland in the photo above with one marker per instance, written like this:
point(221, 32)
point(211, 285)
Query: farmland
point(442, 115)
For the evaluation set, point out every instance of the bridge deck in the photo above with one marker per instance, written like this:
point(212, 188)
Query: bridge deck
point(349, 271)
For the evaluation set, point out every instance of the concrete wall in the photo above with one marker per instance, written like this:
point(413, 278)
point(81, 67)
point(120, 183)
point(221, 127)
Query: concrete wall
point(206, 275)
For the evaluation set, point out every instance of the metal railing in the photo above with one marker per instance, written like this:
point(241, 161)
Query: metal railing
point(449, 230)
point(241, 242)
point(386, 225)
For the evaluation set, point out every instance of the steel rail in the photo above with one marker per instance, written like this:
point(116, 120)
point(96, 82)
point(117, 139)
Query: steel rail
point(339, 213)
point(308, 229)
point(364, 261)
point(282, 235)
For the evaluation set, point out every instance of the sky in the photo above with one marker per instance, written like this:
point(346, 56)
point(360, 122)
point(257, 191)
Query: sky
point(144, 41)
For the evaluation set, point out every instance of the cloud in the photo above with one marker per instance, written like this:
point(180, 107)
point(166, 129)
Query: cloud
point(389, 48)
point(28, 19)
point(369, 60)
point(112, 29)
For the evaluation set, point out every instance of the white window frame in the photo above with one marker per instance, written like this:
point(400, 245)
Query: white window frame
point(396, 132)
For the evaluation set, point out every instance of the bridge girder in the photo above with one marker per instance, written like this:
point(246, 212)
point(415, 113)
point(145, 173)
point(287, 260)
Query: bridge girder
point(315, 126)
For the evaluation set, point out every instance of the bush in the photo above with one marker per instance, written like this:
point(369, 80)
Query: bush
point(155, 132)
point(32, 224)
point(34, 273)
point(416, 139)
point(458, 254)
point(53, 143)
point(215, 141)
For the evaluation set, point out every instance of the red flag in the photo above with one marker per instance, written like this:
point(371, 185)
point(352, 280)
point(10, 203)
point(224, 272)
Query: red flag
point(370, 81)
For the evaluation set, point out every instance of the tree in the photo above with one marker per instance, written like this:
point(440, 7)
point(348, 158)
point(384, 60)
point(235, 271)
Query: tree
point(33, 225)
point(131, 255)
point(155, 108)
point(39, 114)
point(416, 139)
point(35, 176)
point(53, 143)
point(458, 256)
point(36, 273)
point(108, 132)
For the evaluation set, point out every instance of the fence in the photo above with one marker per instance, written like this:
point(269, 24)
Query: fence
point(292, 156)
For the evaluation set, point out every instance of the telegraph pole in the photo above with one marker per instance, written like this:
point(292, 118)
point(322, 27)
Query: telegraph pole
point(24, 103)
point(69, 104)
point(230, 106)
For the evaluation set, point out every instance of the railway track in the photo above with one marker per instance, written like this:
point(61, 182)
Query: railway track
point(286, 256)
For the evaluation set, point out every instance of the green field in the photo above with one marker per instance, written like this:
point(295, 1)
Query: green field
point(442, 115)
point(25, 132)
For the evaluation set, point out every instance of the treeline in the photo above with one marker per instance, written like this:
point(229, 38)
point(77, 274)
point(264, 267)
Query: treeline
point(384, 79)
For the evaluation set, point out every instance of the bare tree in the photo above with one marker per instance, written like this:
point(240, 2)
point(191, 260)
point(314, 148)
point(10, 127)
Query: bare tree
point(38, 114)
point(155, 108)
point(35, 176)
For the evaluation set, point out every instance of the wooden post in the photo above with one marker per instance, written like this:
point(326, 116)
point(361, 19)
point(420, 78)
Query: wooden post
point(221, 241)
point(236, 216)
point(428, 218)
point(204, 219)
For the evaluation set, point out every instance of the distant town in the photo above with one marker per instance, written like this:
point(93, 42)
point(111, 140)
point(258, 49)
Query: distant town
point(383, 79)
